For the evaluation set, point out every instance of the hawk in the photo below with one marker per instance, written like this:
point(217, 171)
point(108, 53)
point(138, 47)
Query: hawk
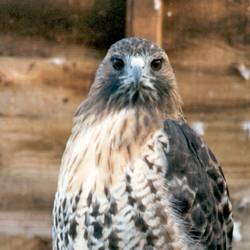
point(134, 175)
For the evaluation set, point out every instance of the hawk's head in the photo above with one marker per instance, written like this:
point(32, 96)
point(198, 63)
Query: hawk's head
point(135, 73)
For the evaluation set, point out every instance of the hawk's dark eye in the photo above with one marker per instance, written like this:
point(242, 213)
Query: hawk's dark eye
point(156, 64)
point(117, 63)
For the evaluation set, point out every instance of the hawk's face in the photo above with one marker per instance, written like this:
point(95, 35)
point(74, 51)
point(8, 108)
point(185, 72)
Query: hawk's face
point(135, 73)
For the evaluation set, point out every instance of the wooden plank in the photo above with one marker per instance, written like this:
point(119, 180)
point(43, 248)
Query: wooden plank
point(144, 19)
point(30, 160)
point(29, 223)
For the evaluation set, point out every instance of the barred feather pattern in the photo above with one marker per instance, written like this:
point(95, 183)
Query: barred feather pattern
point(198, 187)
point(133, 212)
point(171, 194)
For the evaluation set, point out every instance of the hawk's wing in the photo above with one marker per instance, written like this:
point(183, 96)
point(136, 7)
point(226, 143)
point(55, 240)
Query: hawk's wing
point(198, 187)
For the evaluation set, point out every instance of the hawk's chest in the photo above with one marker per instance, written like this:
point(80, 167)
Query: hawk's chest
point(112, 192)
point(131, 214)
point(97, 155)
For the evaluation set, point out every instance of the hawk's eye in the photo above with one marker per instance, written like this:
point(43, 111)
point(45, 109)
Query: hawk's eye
point(156, 64)
point(117, 63)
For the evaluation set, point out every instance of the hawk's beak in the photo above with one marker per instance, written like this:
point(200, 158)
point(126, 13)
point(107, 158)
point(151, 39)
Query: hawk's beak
point(137, 65)
point(136, 75)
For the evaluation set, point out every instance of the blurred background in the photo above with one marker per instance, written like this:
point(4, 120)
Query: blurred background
point(49, 51)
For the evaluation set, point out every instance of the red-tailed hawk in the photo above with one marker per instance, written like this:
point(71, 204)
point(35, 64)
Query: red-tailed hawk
point(134, 175)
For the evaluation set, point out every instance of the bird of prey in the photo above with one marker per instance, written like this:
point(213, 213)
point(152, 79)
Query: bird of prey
point(134, 175)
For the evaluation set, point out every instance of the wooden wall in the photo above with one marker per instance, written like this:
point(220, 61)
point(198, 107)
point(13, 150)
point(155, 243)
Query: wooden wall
point(42, 82)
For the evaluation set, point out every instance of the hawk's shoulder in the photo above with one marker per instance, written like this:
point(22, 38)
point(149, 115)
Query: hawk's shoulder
point(198, 187)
